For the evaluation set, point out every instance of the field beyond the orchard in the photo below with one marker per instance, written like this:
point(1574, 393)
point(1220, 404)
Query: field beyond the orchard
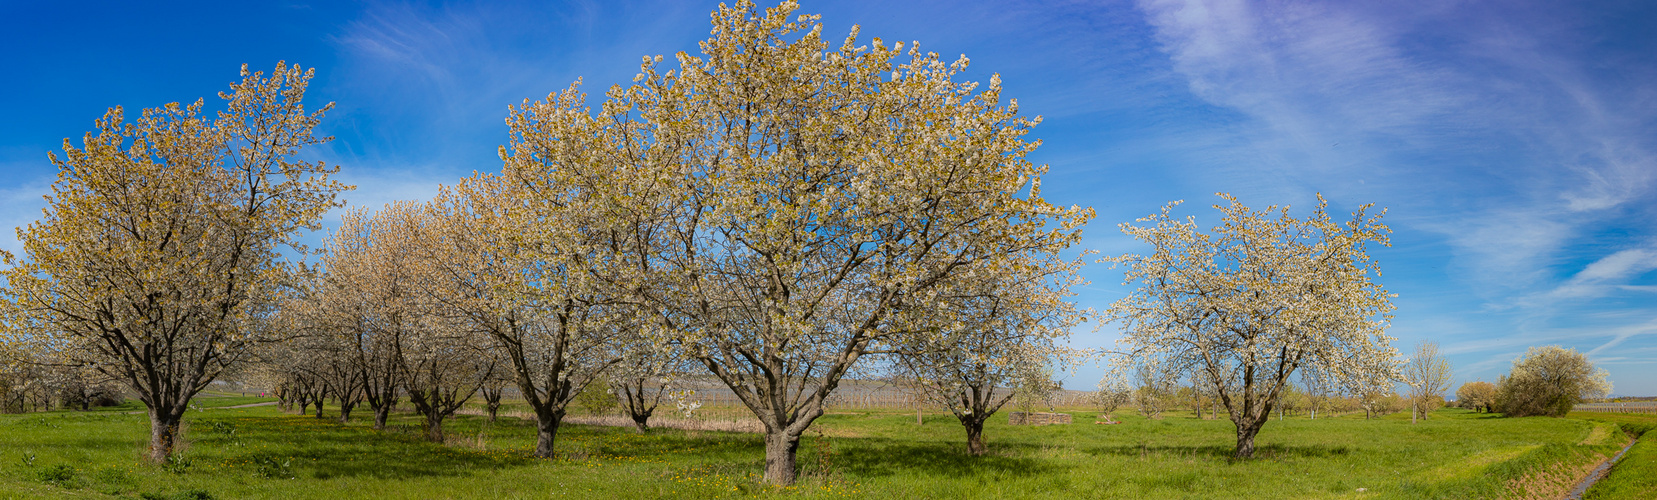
point(261, 452)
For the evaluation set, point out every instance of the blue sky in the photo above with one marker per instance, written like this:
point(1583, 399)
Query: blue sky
point(1513, 143)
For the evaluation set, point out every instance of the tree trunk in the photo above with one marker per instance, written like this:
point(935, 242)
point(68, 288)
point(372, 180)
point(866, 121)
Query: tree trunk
point(975, 436)
point(319, 409)
point(345, 411)
point(640, 421)
point(164, 427)
point(434, 427)
point(380, 415)
point(918, 419)
point(1245, 440)
point(780, 448)
point(546, 432)
point(304, 405)
point(494, 408)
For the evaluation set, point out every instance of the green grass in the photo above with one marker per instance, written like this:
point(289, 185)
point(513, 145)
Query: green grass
point(1633, 424)
point(1635, 476)
point(262, 453)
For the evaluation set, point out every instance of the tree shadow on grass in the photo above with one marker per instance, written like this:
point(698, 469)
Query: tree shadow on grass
point(81, 443)
point(873, 457)
point(288, 446)
point(616, 441)
point(1220, 452)
point(293, 444)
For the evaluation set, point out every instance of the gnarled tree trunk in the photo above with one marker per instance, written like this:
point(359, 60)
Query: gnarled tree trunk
point(546, 431)
point(1245, 441)
point(975, 435)
point(780, 453)
point(639, 402)
point(165, 425)
point(434, 427)
point(641, 421)
point(1252, 417)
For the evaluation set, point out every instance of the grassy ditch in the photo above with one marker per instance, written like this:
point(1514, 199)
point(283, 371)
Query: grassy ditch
point(1635, 476)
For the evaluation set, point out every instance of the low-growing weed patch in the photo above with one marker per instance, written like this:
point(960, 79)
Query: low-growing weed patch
point(178, 463)
point(183, 495)
point(268, 467)
point(60, 474)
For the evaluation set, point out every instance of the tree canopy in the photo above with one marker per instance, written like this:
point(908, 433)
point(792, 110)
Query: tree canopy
point(1549, 380)
point(158, 252)
point(1248, 303)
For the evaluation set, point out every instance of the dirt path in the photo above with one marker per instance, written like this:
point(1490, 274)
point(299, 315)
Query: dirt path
point(267, 403)
point(250, 405)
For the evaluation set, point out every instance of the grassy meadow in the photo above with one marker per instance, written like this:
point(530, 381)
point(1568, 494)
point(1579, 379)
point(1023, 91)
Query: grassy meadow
point(261, 452)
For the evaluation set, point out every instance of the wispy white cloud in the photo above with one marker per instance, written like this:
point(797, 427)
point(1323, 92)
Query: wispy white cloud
point(424, 90)
point(1608, 274)
point(20, 204)
point(378, 187)
point(1620, 335)
point(1339, 92)
point(1498, 137)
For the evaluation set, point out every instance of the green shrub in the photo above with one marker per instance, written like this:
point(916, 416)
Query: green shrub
point(598, 398)
point(1549, 381)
